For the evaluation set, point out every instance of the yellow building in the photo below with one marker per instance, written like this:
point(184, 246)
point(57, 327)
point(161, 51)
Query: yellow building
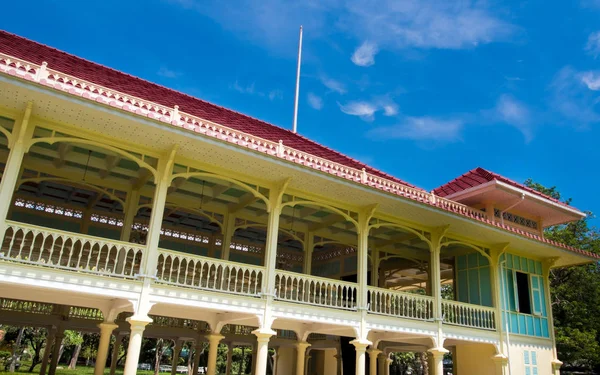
point(131, 209)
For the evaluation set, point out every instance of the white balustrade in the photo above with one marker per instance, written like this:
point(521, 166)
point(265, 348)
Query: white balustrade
point(85, 313)
point(468, 315)
point(53, 248)
point(199, 272)
point(400, 304)
point(311, 290)
point(26, 306)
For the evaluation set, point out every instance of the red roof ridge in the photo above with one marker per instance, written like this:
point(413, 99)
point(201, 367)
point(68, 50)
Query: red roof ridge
point(459, 184)
point(182, 107)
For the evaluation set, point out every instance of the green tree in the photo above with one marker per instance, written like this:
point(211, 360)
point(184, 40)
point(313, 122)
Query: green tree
point(575, 292)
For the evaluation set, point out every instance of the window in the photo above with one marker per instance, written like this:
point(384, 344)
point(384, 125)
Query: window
point(523, 292)
point(530, 360)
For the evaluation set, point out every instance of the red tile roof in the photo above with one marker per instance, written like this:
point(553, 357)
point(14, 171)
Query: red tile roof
point(84, 70)
point(480, 176)
point(37, 53)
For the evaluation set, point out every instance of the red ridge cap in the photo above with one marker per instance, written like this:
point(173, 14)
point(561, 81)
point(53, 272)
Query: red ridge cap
point(37, 53)
point(479, 176)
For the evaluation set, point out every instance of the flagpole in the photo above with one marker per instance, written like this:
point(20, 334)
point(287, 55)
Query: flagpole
point(295, 128)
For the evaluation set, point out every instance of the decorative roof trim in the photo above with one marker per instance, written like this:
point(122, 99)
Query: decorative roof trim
point(504, 185)
point(43, 75)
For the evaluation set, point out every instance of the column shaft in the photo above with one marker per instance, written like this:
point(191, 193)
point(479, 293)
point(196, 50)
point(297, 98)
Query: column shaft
point(360, 347)
point(135, 345)
point(300, 354)
point(47, 350)
point(22, 133)
point(196, 365)
point(229, 358)
point(175, 359)
point(115, 354)
point(373, 353)
point(164, 171)
point(262, 350)
point(105, 333)
point(213, 340)
point(55, 351)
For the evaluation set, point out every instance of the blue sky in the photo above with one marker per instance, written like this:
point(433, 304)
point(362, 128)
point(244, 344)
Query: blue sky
point(424, 90)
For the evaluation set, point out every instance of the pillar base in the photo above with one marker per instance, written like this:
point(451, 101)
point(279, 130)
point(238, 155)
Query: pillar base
point(556, 365)
point(501, 362)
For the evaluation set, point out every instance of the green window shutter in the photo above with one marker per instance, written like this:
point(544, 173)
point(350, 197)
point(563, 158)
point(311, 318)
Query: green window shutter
point(533, 358)
point(526, 358)
point(536, 294)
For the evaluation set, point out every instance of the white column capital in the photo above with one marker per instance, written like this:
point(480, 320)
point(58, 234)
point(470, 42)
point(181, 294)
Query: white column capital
point(107, 327)
point(214, 337)
point(388, 361)
point(438, 352)
point(361, 344)
point(374, 352)
point(302, 345)
point(263, 334)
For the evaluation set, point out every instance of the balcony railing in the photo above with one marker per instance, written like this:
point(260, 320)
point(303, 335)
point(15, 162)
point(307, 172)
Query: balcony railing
point(53, 248)
point(193, 271)
point(312, 290)
point(468, 315)
point(400, 304)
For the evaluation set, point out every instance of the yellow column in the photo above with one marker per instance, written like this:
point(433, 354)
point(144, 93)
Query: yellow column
point(228, 231)
point(22, 133)
point(388, 363)
point(301, 347)
point(546, 266)
point(437, 361)
point(309, 244)
point(47, 349)
point(496, 281)
point(60, 334)
point(176, 352)
point(135, 343)
point(360, 347)
point(213, 341)
point(130, 210)
point(106, 329)
point(501, 363)
point(436, 290)
point(373, 353)
point(229, 358)
point(262, 351)
point(164, 171)
point(115, 353)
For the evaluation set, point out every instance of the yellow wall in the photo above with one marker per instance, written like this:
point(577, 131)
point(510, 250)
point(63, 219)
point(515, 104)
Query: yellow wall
point(286, 360)
point(475, 359)
point(517, 358)
point(330, 362)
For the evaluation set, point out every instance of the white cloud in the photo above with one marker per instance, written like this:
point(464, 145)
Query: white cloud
point(515, 113)
point(275, 94)
point(248, 89)
point(365, 54)
point(364, 110)
point(393, 24)
point(367, 109)
point(315, 101)
point(591, 80)
point(390, 109)
point(167, 73)
point(421, 129)
point(333, 85)
point(572, 99)
point(593, 44)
